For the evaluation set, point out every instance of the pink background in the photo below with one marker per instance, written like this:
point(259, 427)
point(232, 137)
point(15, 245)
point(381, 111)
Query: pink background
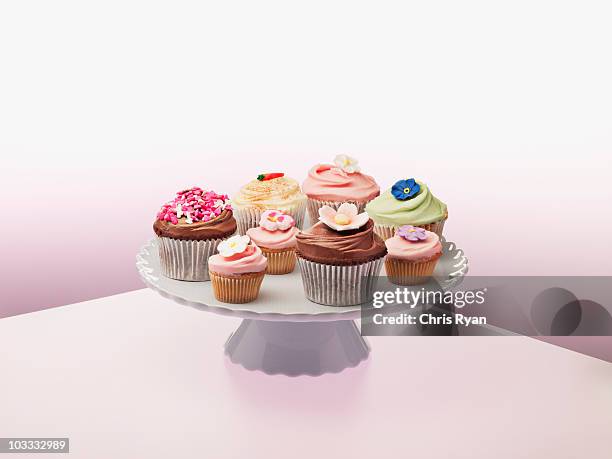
point(106, 110)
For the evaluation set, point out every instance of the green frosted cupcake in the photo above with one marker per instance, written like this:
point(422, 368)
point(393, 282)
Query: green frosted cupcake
point(407, 202)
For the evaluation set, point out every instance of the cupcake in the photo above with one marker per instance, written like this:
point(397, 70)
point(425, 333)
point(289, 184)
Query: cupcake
point(189, 228)
point(340, 256)
point(237, 271)
point(268, 192)
point(275, 236)
point(408, 202)
point(412, 255)
point(331, 185)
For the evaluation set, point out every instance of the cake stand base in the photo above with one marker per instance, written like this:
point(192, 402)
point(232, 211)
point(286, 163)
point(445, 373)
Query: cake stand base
point(297, 348)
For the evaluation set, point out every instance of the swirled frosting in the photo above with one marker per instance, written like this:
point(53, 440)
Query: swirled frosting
point(404, 249)
point(323, 244)
point(422, 209)
point(275, 240)
point(328, 183)
point(218, 228)
point(249, 261)
point(279, 193)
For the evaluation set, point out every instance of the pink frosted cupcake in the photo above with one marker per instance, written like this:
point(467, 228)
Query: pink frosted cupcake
point(275, 236)
point(237, 271)
point(331, 185)
point(412, 255)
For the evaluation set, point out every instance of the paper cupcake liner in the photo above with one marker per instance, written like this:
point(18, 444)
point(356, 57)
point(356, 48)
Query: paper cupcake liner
point(186, 260)
point(314, 205)
point(279, 261)
point(241, 288)
point(386, 231)
point(403, 272)
point(248, 217)
point(339, 285)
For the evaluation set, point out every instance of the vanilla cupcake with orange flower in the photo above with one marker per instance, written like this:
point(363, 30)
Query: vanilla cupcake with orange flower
point(237, 271)
point(275, 236)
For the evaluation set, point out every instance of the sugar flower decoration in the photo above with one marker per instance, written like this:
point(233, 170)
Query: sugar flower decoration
point(233, 245)
point(347, 164)
point(405, 189)
point(412, 233)
point(273, 220)
point(343, 219)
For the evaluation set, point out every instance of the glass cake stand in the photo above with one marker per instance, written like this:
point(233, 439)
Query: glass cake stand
point(282, 332)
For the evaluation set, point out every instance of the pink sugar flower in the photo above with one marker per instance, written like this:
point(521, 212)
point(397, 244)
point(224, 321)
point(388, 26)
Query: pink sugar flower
point(273, 220)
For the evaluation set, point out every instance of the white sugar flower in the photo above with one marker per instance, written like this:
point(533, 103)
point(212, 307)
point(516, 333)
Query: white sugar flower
point(343, 219)
point(233, 245)
point(347, 164)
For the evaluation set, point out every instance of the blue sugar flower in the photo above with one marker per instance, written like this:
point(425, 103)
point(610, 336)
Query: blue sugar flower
point(405, 189)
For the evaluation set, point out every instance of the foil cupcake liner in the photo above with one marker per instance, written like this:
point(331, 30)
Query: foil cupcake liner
point(339, 285)
point(248, 217)
point(314, 205)
point(403, 272)
point(241, 288)
point(279, 261)
point(186, 260)
point(386, 231)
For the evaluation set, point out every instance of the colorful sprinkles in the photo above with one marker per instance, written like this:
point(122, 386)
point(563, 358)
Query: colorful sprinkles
point(195, 205)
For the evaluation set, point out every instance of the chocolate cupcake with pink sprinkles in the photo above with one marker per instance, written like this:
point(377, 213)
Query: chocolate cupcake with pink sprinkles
point(189, 229)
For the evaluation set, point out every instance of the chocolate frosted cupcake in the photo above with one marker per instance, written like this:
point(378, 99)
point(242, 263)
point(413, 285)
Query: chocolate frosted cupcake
point(189, 228)
point(271, 191)
point(340, 256)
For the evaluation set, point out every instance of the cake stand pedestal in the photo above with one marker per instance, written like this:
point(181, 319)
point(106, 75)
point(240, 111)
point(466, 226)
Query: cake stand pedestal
point(282, 332)
point(297, 348)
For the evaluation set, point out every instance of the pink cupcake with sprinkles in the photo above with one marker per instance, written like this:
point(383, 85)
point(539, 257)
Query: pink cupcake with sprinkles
point(275, 235)
point(189, 229)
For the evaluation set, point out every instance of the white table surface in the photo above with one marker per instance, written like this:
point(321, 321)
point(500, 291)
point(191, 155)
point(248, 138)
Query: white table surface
point(135, 375)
